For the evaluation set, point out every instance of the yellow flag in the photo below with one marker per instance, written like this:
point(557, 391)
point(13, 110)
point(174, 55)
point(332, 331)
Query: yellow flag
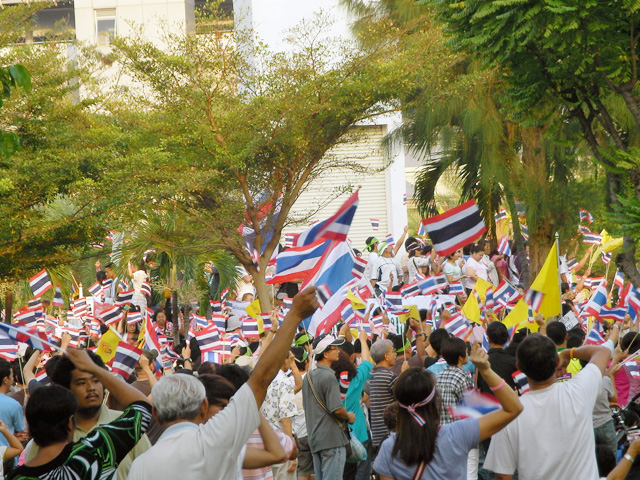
point(107, 345)
point(413, 313)
point(253, 309)
point(356, 302)
point(471, 309)
point(548, 283)
point(519, 316)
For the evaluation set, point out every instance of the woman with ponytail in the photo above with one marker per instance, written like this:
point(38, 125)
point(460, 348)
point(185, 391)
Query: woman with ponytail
point(421, 448)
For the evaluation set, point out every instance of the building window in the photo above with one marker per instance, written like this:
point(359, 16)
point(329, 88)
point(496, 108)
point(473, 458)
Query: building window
point(105, 26)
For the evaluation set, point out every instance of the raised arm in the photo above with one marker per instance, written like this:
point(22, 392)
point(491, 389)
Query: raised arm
point(304, 304)
point(511, 407)
point(29, 367)
point(400, 242)
point(272, 452)
point(124, 393)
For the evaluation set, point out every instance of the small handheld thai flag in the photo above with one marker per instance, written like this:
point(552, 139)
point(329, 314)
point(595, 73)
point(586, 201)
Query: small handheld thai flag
point(26, 316)
point(585, 216)
point(500, 215)
point(592, 239)
point(208, 339)
point(58, 301)
point(422, 229)
point(8, 347)
point(347, 314)
point(597, 301)
point(219, 320)
point(474, 405)
point(250, 327)
point(503, 247)
point(202, 322)
point(572, 264)
point(145, 289)
point(520, 379)
point(615, 314)
point(289, 239)
point(432, 284)
point(38, 340)
point(216, 307)
point(111, 316)
point(134, 317)
point(534, 299)
point(266, 321)
point(618, 280)
point(455, 228)
point(633, 369)
point(524, 230)
point(389, 239)
point(359, 266)
point(126, 359)
point(124, 298)
point(40, 283)
point(489, 301)
point(42, 377)
point(457, 325)
point(410, 290)
point(606, 258)
point(375, 224)
point(596, 335)
point(404, 199)
point(95, 289)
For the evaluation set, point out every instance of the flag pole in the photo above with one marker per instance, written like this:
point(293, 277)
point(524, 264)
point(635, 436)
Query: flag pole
point(557, 242)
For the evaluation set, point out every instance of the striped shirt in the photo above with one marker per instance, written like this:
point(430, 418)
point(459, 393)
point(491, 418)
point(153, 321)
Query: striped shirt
point(380, 397)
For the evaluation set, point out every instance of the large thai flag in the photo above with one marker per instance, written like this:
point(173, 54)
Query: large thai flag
point(455, 228)
point(336, 227)
point(40, 283)
point(298, 263)
point(126, 359)
point(151, 340)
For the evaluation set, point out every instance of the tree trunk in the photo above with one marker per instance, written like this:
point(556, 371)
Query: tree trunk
point(8, 305)
point(517, 239)
point(263, 290)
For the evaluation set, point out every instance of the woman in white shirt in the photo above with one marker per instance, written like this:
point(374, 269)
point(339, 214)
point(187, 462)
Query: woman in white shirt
point(139, 276)
point(474, 268)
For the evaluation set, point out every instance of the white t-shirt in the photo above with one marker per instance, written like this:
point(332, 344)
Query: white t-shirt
point(479, 268)
point(384, 267)
point(492, 273)
point(413, 265)
point(243, 287)
point(189, 451)
point(552, 439)
point(371, 263)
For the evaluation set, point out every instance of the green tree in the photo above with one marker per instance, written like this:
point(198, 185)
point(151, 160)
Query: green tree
point(242, 130)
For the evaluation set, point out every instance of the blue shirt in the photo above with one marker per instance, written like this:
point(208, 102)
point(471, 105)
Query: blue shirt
point(453, 444)
point(12, 415)
point(441, 364)
point(352, 402)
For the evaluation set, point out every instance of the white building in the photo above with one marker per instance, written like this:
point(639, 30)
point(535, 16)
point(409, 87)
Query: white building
point(382, 194)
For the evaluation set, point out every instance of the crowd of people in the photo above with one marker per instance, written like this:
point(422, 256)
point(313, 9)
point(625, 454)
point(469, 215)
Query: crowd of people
point(394, 400)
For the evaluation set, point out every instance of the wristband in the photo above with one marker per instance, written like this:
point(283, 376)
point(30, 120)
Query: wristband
point(626, 456)
point(499, 386)
point(571, 353)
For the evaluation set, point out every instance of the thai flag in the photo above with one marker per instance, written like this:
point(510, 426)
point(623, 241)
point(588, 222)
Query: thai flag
point(42, 377)
point(618, 280)
point(606, 258)
point(323, 293)
point(504, 292)
point(25, 316)
point(376, 324)
point(124, 284)
point(126, 359)
point(534, 299)
point(592, 239)
point(52, 322)
point(520, 379)
point(489, 301)
point(208, 339)
point(35, 304)
point(40, 283)
point(216, 307)
point(97, 245)
point(335, 227)
point(289, 239)
point(111, 316)
point(597, 281)
point(585, 216)
point(80, 307)
point(37, 340)
point(404, 199)
point(455, 228)
point(596, 335)
point(95, 328)
point(375, 224)
point(124, 298)
point(524, 230)
point(432, 284)
point(410, 290)
point(359, 266)
point(422, 229)
point(145, 289)
point(8, 347)
point(95, 289)
point(503, 247)
point(587, 283)
point(58, 301)
point(219, 320)
point(299, 262)
point(74, 333)
point(597, 300)
point(456, 288)
point(633, 300)
point(389, 240)
point(201, 321)
point(250, 327)
point(393, 299)
point(347, 314)
point(366, 291)
point(474, 405)
point(615, 314)
point(266, 321)
point(572, 264)
point(149, 313)
point(500, 215)
point(582, 229)
point(457, 325)
point(134, 317)
point(151, 341)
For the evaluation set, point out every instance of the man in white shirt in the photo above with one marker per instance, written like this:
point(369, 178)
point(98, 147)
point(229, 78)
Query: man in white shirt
point(553, 437)
point(190, 450)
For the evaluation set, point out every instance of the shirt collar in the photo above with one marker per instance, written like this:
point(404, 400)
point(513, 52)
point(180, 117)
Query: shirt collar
point(178, 428)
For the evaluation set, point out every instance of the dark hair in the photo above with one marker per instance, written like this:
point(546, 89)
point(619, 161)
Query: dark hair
point(348, 348)
point(497, 333)
point(452, 349)
point(398, 341)
point(206, 367)
point(564, 287)
point(537, 357)
point(61, 372)
point(300, 355)
point(101, 276)
point(475, 248)
point(436, 338)
point(237, 375)
point(48, 411)
point(344, 364)
point(357, 345)
point(576, 338)
point(557, 332)
point(5, 369)
point(17, 372)
point(630, 339)
point(217, 388)
point(390, 416)
point(50, 366)
point(414, 443)
point(109, 265)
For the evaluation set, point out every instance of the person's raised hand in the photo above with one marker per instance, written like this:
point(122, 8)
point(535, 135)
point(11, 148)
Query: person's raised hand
point(81, 360)
point(362, 335)
point(305, 303)
point(143, 361)
point(479, 357)
point(186, 352)
point(65, 340)
point(414, 324)
point(344, 329)
point(540, 319)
